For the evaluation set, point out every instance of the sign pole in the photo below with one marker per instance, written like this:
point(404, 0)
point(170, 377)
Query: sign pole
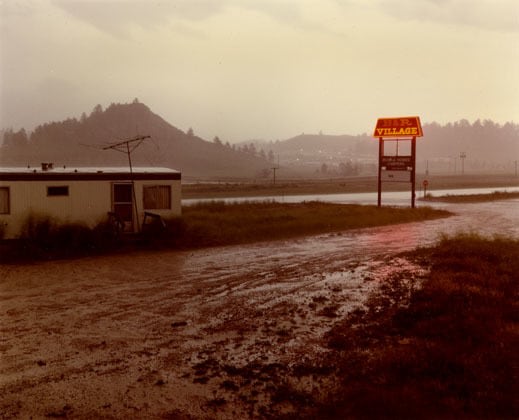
point(413, 172)
point(380, 154)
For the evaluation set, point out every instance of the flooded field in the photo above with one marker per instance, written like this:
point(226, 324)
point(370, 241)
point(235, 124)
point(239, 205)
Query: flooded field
point(212, 333)
point(391, 198)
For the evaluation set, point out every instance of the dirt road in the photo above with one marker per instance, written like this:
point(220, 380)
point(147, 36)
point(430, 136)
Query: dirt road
point(208, 334)
point(215, 333)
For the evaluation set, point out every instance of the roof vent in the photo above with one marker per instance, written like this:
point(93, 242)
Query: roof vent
point(46, 166)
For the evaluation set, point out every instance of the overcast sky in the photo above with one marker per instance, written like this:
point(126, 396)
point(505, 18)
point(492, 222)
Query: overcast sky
point(270, 69)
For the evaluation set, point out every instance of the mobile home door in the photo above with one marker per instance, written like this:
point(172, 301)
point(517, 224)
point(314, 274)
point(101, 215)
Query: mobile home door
point(122, 203)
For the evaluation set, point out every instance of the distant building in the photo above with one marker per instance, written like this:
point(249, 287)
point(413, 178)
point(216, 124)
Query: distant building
point(86, 195)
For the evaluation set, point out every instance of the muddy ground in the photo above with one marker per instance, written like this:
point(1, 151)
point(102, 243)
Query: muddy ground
point(231, 332)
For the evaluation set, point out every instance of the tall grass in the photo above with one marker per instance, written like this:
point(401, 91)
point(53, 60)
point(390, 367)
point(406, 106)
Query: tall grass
point(451, 353)
point(208, 224)
point(474, 198)
point(43, 237)
point(218, 223)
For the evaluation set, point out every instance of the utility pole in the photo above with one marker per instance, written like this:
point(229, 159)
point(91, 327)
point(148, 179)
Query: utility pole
point(463, 155)
point(274, 169)
point(124, 147)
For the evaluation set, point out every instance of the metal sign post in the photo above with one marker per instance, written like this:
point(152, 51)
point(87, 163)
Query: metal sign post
point(380, 156)
point(413, 172)
point(425, 185)
point(397, 168)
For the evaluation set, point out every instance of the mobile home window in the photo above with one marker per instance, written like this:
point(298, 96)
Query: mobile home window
point(57, 191)
point(4, 200)
point(156, 197)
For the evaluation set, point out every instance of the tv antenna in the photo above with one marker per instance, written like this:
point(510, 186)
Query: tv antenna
point(124, 145)
point(128, 146)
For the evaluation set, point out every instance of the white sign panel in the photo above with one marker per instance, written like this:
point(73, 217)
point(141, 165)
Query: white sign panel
point(396, 176)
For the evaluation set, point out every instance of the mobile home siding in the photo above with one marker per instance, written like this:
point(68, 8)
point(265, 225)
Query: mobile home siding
point(89, 196)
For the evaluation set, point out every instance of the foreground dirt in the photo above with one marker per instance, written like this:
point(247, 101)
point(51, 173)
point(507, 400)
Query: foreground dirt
point(222, 333)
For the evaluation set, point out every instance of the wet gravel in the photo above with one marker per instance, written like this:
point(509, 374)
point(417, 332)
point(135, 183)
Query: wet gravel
point(213, 333)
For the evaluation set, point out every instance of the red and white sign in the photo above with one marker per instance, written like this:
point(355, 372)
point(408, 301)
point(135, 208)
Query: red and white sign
point(398, 127)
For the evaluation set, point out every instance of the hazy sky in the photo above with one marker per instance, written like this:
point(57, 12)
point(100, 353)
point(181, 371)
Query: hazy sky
point(270, 69)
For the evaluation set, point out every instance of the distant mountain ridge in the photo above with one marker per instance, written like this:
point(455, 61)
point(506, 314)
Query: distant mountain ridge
point(488, 146)
point(483, 140)
point(80, 142)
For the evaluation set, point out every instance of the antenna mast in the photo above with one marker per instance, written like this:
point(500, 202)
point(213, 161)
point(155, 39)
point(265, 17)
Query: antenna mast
point(124, 147)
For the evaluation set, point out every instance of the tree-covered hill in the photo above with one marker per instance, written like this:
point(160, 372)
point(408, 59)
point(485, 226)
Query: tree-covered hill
point(488, 147)
point(80, 142)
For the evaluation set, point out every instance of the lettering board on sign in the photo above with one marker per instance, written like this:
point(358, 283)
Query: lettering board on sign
point(398, 127)
point(397, 163)
point(395, 176)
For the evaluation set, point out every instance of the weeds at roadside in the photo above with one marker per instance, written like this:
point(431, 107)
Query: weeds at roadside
point(203, 225)
point(43, 237)
point(219, 223)
point(473, 198)
point(447, 351)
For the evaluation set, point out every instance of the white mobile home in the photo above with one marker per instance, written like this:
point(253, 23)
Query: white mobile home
point(87, 195)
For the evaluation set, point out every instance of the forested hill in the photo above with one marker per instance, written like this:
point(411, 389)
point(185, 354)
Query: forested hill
point(80, 142)
point(482, 142)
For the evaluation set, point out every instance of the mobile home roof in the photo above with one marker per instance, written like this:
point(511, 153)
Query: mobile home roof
point(87, 173)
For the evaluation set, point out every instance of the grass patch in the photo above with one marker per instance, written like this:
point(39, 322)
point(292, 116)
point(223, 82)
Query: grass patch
point(219, 223)
point(206, 224)
point(473, 198)
point(43, 237)
point(450, 351)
